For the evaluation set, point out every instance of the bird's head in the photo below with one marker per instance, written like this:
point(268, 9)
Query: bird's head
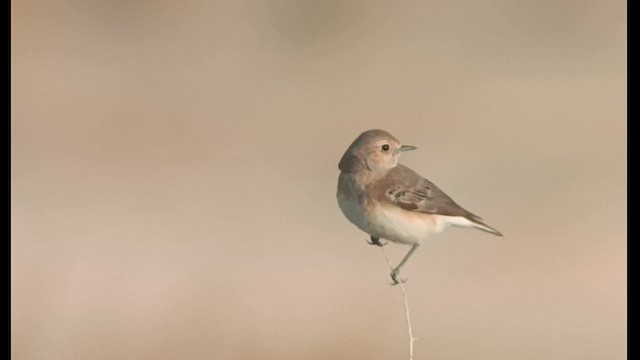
point(374, 150)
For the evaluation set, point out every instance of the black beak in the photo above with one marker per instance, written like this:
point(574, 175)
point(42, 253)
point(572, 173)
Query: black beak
point(404, 148)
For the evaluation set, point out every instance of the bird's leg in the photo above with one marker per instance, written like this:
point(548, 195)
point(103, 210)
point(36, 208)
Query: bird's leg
point(396, 271)
point(375, 241)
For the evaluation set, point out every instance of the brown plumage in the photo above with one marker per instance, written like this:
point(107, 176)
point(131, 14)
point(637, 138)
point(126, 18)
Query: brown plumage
point(405, 188)
point(390, 201)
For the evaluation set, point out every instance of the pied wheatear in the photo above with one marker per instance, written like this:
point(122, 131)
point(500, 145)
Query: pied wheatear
point(390, 201)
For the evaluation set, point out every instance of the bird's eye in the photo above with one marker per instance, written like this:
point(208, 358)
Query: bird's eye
point(385, 147)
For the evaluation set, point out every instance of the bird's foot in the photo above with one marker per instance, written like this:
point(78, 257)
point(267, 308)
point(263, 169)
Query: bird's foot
point(376, 241)
point(394, 277)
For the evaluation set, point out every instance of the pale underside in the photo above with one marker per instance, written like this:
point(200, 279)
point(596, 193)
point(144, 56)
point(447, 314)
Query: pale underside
point(396, 224)
point(401, 206)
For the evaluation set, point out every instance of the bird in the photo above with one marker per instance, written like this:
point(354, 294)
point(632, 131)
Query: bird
point(388, 200)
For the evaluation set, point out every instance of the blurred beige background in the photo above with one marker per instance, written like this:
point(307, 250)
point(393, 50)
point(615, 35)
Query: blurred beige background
point(174, 167)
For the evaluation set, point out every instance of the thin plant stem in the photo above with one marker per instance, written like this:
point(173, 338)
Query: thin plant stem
point(406, 306)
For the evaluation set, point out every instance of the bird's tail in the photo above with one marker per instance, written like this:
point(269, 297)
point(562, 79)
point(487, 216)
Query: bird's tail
point(477, 223)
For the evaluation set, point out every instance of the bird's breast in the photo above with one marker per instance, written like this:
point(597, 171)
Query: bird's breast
point(381, 220)
point(351, 199)
point(401, 226)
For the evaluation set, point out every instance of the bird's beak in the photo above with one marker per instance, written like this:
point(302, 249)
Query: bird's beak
point(404, 148)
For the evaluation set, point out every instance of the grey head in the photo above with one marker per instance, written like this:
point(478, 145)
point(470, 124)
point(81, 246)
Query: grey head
point(374, 150)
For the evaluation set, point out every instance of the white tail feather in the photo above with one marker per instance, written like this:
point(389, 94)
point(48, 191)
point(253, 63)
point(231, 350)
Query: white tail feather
point(464, 222)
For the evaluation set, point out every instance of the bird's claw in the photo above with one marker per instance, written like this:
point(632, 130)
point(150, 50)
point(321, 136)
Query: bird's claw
point(394, 278)
point(376, 241)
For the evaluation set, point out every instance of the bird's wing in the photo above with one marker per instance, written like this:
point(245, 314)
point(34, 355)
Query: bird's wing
point(405, 188)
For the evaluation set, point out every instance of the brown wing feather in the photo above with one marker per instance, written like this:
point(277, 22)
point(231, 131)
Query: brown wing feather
point(410, 191)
